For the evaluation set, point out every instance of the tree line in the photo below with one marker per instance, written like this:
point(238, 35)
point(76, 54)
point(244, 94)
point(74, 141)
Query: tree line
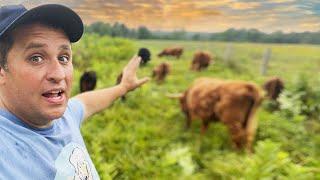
point(235, 35)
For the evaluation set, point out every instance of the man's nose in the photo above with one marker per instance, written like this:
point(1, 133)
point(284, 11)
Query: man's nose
point(56, 71)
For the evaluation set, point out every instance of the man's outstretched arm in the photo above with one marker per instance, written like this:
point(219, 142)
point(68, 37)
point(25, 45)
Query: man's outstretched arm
point(98, 100)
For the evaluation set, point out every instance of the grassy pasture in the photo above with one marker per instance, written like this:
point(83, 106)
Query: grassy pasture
point(145, 138)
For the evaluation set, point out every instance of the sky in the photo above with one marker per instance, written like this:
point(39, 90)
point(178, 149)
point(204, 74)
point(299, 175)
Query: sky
point(197, 15)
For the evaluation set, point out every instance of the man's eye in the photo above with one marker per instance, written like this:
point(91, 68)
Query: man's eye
point(64, 59)
point(36, 59)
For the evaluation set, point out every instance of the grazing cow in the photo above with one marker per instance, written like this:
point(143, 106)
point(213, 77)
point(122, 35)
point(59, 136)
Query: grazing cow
point(88, 81)
point(273, 87)
point(234, 103)
point(176, 52)
point(160, 72)
point(201, 60)
point(145, 55)
point(123, 98)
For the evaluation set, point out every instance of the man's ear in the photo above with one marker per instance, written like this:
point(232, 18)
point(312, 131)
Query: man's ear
point(2, 75)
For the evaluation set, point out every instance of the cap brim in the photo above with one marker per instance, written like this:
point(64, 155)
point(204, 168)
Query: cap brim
point(57, 15)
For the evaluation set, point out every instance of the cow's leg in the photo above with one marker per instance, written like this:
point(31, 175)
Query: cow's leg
point(204, 127)
point(238, 134)
point(197, 67)
point(200, 67)
point(239, 122)
point(188, 120)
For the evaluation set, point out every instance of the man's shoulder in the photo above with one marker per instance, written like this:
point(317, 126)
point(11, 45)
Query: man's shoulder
point(6, 128)
point(11, 132)
point(75, 109)
point(6, 139)
point(74, 103)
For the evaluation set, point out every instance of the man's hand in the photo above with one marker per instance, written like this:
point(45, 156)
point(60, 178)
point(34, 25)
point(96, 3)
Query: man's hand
point(129, 79)
point(96, 101)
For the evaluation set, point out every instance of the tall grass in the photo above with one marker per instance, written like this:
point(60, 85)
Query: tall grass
point(145, 137)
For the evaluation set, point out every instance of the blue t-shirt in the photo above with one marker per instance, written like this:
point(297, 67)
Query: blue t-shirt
point(57, 152)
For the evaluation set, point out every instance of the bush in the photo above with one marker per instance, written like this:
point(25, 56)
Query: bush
point(95, 48)
point(301, 100)
point(268, 162)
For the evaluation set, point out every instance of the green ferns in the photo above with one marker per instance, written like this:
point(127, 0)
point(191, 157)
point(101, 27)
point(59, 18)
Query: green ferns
point(268, 162)
point(145, 137)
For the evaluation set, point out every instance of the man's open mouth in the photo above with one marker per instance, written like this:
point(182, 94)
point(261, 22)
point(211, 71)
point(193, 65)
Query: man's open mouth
point(53, 94)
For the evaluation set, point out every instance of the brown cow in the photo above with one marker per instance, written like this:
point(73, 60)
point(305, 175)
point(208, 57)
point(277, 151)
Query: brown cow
point(160, 72)
point(273, 87)
point(176, 52)
point(201, 60)
point(234, 103)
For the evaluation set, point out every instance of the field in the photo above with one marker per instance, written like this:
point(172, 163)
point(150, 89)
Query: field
point(145, 137)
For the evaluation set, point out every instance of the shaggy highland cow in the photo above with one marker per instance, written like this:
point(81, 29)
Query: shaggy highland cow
point(160, 72)
point(201, 60)
point(234, 103)
point(273, 87)
point(175, 52)
point(88, 81)
point(145, 55)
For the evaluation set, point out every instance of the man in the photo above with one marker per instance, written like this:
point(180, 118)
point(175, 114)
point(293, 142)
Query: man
point(39, 125)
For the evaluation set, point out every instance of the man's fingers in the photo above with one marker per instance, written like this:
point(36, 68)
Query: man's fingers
point(130, 73)
point(143, 80)
point(134, 60)
point(131, 61)
point(137, 63)
point(133, 64)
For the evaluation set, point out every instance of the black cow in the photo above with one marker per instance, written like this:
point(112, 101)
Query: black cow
point(145, 55)
point(88, 81)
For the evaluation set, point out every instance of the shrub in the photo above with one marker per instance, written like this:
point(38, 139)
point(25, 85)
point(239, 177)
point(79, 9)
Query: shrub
point(95, 48)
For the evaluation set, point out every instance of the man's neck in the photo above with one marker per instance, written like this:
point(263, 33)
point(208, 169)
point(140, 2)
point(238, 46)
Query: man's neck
point(29, 123)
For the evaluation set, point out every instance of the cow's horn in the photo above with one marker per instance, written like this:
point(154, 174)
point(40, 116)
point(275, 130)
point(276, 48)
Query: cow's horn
point(175, 96)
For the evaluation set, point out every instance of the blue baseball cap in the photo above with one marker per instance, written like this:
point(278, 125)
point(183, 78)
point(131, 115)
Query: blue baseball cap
point(55, 14)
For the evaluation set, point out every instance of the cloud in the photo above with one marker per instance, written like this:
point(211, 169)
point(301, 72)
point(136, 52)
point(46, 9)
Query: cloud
point(192, 15)
point(156, 14)
point(281, 1)
point(244, 6)
point(33, 3)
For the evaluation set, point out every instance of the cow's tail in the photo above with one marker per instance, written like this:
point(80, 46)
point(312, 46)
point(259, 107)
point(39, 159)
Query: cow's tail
point(249, 111)
point(250, 124)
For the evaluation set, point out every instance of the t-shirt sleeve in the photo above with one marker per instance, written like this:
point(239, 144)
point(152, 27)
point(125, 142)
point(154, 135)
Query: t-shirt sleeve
point(76, 109)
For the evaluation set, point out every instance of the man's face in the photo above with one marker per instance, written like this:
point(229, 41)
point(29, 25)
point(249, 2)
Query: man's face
point(38, 82)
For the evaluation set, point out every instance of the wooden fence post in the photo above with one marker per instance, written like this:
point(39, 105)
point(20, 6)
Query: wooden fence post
point(265, 61)
point(228, 53)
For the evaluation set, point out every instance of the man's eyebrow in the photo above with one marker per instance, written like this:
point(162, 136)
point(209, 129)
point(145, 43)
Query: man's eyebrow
point(65, 47)
point(33, 45)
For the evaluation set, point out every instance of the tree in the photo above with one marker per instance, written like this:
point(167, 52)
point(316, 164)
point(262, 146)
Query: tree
point(196, 37)
point(143, 33)
point(99, 28)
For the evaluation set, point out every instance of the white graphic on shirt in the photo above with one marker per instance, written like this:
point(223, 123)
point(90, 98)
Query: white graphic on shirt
point(73, 163)
point(81, 166)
